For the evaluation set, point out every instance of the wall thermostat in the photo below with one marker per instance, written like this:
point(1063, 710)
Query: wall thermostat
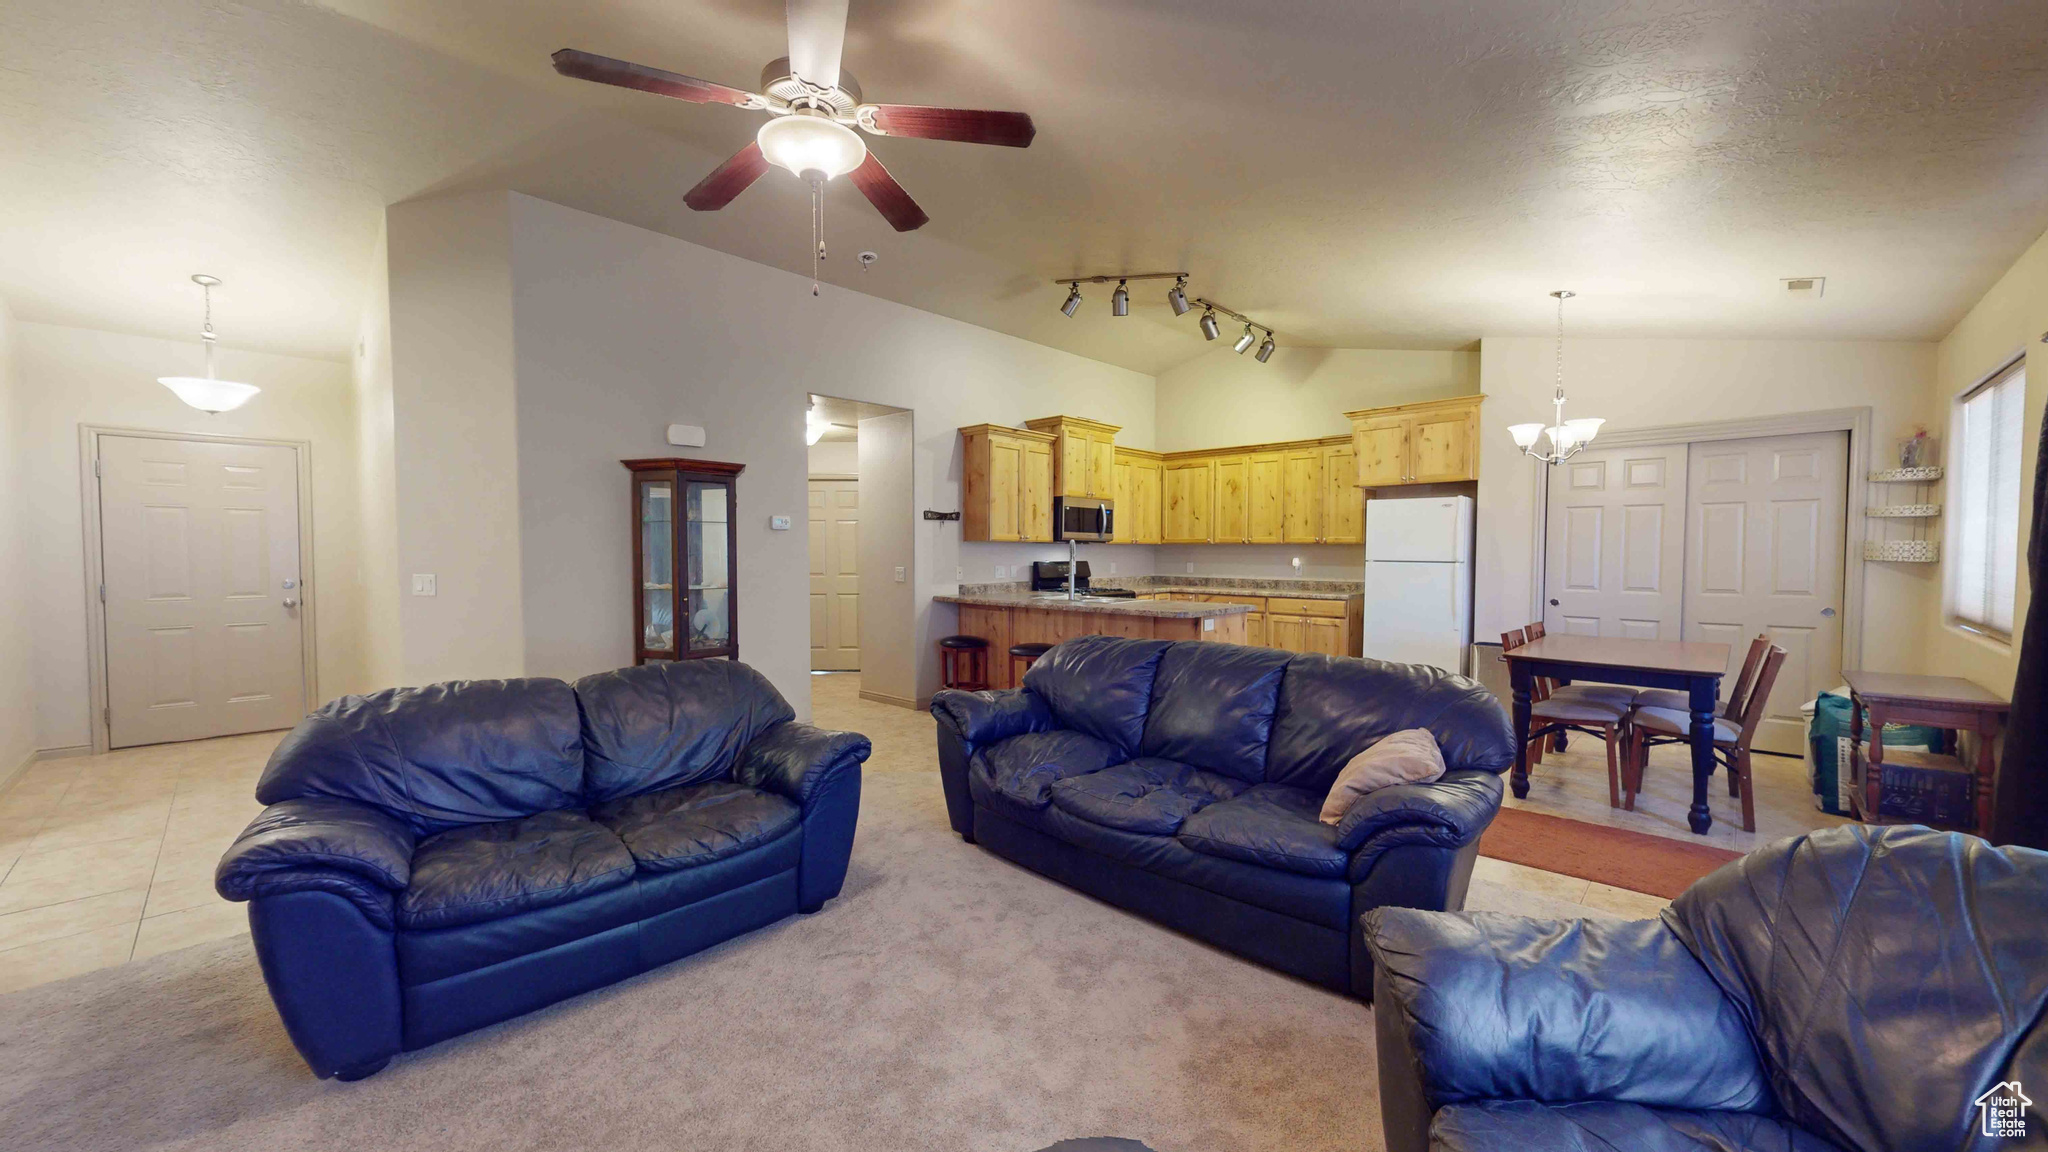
point(686, 435)
point(778, 523)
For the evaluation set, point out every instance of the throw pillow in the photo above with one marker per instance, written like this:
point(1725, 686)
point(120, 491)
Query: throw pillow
point(1406, 757)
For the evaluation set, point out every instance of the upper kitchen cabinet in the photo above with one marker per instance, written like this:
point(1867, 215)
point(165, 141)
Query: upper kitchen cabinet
point(1343, 501)
point(1302, 503)
point(1137, 492)
point(1190, 492)
point(1084, 455)
point(1006, 493)
point(1435, 442)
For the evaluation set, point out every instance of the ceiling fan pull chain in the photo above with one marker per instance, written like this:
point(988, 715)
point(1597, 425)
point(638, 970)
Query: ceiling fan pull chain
point(817, 230)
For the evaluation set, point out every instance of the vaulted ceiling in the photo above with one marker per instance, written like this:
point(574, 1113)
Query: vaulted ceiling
point(1380, 174)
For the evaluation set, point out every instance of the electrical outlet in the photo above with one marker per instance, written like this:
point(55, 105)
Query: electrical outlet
point(999, 571)
point(899, 573)
point(1112, 567)
point(423, 584)
point(1191, 569)
point(959, 574)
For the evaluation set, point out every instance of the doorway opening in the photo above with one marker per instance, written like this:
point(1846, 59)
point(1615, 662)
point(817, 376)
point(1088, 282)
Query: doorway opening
point(862, 545)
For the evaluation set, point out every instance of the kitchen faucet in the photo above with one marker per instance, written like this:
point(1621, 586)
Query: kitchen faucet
point(1073, 562)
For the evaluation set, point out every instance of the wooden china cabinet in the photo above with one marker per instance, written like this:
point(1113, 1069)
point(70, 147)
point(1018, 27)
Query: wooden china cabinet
point(684, 545)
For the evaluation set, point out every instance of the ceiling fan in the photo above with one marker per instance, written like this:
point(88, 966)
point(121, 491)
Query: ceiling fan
point(814, 109)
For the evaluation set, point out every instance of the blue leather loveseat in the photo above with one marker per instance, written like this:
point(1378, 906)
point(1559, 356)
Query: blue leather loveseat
point(437, 859)
point(1183, 781)
point(1874, 989)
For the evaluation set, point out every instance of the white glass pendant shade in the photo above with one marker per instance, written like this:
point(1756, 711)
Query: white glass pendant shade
point(803, 144)
point(1584, 429)
point(209, 395)
point(1525, 434)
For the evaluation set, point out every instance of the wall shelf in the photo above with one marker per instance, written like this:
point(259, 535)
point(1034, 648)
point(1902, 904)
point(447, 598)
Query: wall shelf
point(1903, 551)
point(1903, 511)
point(1906, 476)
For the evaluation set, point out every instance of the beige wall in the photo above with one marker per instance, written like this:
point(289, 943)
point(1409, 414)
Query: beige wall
point(888, 537)
point(376, 551)
point(835, 458)
point(17, 679)
point(1221, 398)
point(75, 376)
point(1638, 383)
point(2011, 318)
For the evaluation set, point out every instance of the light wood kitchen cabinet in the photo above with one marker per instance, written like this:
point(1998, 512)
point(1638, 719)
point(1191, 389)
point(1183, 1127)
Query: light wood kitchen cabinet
point(1302, 500)
point(1006, 492)
point(1137, 496)
point(1343, 505)
point(1435, 442)
point(1331, 627)
point(1230, 522)
point(1264, 484)
point(1084, 455)
point(1189, 489)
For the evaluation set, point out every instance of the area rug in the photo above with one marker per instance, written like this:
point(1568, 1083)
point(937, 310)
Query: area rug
point(1637, 861)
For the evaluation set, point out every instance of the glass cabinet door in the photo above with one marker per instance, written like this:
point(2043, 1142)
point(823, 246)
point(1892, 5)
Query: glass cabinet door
point(708, 534)
point(657, 568)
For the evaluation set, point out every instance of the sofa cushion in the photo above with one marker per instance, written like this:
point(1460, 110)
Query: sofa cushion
point(439, 757)
point(1151, 795)
point(1101, 685)
point(679, 722)
point(696, 824)
point(1271, 825)
point(1212, 706)
point(1604, 1126)
point(486, 871)
point(1334, 707)
point(1024, 768)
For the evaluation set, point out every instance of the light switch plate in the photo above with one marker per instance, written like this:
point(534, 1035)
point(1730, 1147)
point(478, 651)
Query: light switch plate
point(899, 573)
point(423, 584)
point(778, 523)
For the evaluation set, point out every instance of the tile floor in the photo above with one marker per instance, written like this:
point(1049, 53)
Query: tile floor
point(107, 859)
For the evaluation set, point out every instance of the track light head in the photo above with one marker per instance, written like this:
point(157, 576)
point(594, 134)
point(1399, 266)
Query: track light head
point(1209, 329)
point(1120, 300)
point(1244, 341)
point(1177, 297)
point(1266, 349)
point(1073, 303)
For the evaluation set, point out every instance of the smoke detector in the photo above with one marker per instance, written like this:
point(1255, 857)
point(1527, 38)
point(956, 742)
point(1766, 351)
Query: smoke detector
point(1805, 287)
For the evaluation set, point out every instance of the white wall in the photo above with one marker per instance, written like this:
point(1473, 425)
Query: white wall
point(1221, 398)
point(74, 376)
point(2011, 318)
point(455, 441)
point(888, 538)
point(1637, 383)
point(17, 663)
point(835, 458)
point(376, 551)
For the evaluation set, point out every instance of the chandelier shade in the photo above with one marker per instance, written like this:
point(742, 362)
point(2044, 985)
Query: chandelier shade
point(1567, 437)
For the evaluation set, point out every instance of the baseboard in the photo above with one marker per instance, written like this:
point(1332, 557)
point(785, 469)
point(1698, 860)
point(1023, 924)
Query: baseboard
point(36, 754)
point(914, 705)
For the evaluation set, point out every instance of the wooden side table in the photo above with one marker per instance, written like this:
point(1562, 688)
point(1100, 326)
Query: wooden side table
point(1937, 701)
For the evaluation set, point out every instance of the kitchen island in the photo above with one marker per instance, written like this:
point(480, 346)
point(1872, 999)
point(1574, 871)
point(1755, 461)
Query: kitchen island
point(1006, 618)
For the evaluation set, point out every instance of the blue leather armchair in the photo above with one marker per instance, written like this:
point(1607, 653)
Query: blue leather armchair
point(434, 860)
point(1857, 988)
point(1183, 781)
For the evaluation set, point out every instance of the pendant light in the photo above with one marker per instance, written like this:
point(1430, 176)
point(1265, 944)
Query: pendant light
point(206, 393)
point(1567, 437)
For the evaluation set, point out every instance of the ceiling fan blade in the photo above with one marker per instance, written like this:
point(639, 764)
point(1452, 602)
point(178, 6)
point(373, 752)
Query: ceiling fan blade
point(888, 196)
point(817, 33)
point(605, 70)
point(968, 125)
point(728, 180)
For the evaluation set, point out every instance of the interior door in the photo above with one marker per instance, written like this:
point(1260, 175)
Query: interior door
point(1765, 526)
point(835, 575)
point(199, 545)
point(1615, 551)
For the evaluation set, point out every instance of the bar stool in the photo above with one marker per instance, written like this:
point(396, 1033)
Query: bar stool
point(1029, 654)
point(963, 663)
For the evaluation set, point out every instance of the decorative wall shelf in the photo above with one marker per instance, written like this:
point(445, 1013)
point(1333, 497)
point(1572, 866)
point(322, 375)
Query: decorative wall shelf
point(1906, 476)
point(1903, 551)
point(1903, 511)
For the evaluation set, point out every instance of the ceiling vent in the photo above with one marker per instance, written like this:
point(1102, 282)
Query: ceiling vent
point(1805, 287)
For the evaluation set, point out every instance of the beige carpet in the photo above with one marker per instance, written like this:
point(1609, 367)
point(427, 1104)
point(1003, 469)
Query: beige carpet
point(947, 1001)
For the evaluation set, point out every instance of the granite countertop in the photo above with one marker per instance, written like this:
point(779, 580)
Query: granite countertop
point(1180, 609)
point(1201, 586)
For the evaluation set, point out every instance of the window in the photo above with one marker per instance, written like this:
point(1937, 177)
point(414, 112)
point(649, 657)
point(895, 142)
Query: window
point(1984, 495)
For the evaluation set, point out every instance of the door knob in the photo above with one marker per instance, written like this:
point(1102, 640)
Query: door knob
point(1553, 603)
point(290, 602)
point(1827, 611)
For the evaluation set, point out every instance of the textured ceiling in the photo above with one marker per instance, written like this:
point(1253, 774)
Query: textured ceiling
point(1356, 174)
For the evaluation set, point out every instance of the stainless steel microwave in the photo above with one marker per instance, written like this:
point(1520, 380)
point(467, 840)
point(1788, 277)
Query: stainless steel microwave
point(1083, 518)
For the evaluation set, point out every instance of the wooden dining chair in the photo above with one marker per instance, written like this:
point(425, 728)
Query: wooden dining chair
point(1652, 726)
point(1678, 700)
point(1552, 690)
point(1556, 710)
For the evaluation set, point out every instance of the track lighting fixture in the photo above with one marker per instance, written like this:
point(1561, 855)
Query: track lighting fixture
point(1265, 352)
point(1244, 341)
point(1209, 328)
point(1177, 297)
point(1120, 300)
point(1073, 303)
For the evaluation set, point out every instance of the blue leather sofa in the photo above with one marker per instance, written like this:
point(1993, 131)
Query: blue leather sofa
point(437, 859)
point(1857, 988)
point(1183, 781)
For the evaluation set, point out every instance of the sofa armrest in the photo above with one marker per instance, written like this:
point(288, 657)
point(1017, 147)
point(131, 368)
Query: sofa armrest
point(986, 717)
point(1449, 812)
point(1496, 1007)
point(324, 844)
point(795, 759)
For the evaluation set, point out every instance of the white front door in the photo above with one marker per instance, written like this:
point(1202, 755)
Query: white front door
point(199, 546)
point(1765, 528)
point(1616, 543)
point(835, 575)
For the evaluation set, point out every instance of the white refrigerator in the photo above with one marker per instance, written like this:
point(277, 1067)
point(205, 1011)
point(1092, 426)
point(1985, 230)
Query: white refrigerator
point(1418, 580)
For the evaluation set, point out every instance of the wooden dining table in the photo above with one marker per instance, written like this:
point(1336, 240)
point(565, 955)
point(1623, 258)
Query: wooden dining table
point(1693, 668)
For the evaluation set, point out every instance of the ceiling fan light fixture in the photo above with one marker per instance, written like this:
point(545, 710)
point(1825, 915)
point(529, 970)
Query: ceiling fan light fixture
point(1244, 341)
point(1177, 297)
point(1210, 330)
point(1266, 349)
point(805, 142)
point(1120, 300)
point(1073, 303)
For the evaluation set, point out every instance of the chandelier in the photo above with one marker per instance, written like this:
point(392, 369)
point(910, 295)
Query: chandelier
point(1567, 437)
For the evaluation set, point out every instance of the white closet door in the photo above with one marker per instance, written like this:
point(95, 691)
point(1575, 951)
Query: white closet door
point(835, 575)
point(1615, 552)
point(200, 554)
point(1765, 533)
